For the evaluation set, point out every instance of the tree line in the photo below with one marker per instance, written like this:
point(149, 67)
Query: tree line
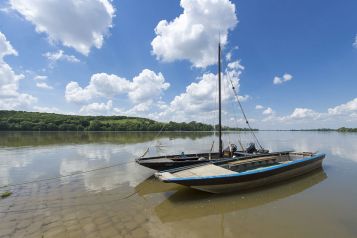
point(37, 121)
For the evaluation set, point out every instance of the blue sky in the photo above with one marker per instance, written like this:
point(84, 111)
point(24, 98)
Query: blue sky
point(294, 62)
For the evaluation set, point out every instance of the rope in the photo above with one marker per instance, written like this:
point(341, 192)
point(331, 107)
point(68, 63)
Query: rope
point(236, 120)
point(245, 117)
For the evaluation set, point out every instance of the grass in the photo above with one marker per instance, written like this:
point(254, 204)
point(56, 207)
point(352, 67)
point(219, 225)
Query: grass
point(6, 194)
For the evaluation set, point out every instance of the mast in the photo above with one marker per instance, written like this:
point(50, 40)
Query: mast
point(219, 101)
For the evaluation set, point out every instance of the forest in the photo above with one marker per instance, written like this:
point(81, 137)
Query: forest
point(38, 121)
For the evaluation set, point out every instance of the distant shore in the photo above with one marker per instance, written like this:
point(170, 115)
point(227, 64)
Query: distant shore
point(39, 121)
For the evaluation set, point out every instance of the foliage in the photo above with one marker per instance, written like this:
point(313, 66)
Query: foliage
point(37, 121)
point(344, 129)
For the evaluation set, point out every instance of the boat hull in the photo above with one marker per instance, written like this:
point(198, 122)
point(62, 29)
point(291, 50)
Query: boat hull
point(220, 184)
point(260, 182)
point(159, 166)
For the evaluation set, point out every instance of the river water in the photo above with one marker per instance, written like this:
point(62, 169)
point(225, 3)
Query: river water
point(127, 201)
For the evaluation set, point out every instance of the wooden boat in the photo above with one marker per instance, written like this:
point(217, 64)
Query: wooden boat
point(235, 174)
point(180, 160)
point(175, 161)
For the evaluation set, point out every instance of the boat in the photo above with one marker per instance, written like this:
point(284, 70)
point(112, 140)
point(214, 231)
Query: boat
point(166, 162)
point(244, 171)
point(180, 160)
point(234, 174)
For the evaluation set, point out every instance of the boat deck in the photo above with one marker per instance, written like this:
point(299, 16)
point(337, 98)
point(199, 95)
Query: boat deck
point(206, 170)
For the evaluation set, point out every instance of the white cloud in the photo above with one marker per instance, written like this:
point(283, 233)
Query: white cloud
point(10, 97)
point(5, 47)
point(100, 85)
point(200, 100)
point(243, 98)
point(235, 65)
point(338, 116)
point(75, 93)
point(77, 24)
point(259, 107)
point(146, 86)
point(97, 108)
point(279, 80)
point(287, 77)
point(194, 34)
point(43, 85)
point(53, 57)
point(40, 78)
point(140, 109)
point(229, 56)
point(345, 108)
point(268, 111)
point(21, 101)
point(299, 115)
point(41, 82)
point(46, 109)
point(302, 113)
point(355, 42)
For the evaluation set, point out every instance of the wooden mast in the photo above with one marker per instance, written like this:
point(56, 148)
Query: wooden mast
point(219, 101)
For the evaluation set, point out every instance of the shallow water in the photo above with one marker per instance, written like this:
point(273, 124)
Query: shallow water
point(126, 201)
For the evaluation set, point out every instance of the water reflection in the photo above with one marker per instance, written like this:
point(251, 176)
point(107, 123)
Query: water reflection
point(188, 204)
point(17, 139)
point(151, 185)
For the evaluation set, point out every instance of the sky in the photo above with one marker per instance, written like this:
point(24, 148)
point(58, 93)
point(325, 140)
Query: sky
point(292, 63)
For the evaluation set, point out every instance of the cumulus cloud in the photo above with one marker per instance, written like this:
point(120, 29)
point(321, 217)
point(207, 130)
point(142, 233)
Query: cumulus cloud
point(235, 65)
point(355, 42)
point(20, 101)
point(268, 111)
point(10, 97)
point(53, 57)
point(338, 116)
point(41, 82)
point(5, 47)
point(97, 108)
point(243, 98)
point(43, 85)
point(346, 108)
point(200, 100)
point(283, 79)
point(194, 34)
point(259, 107)
point(100, 85)
point(298, 115)
point(146, 86)
point(77, 24)
point(140, 109)
point(302, 113)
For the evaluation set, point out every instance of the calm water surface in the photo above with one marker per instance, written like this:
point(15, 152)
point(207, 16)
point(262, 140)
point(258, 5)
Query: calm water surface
point(126, 201)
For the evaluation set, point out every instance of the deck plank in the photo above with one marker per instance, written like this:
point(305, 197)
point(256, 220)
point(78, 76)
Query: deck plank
point(206, 170)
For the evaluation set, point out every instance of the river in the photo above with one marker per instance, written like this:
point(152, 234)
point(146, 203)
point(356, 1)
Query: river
point(75, 198)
